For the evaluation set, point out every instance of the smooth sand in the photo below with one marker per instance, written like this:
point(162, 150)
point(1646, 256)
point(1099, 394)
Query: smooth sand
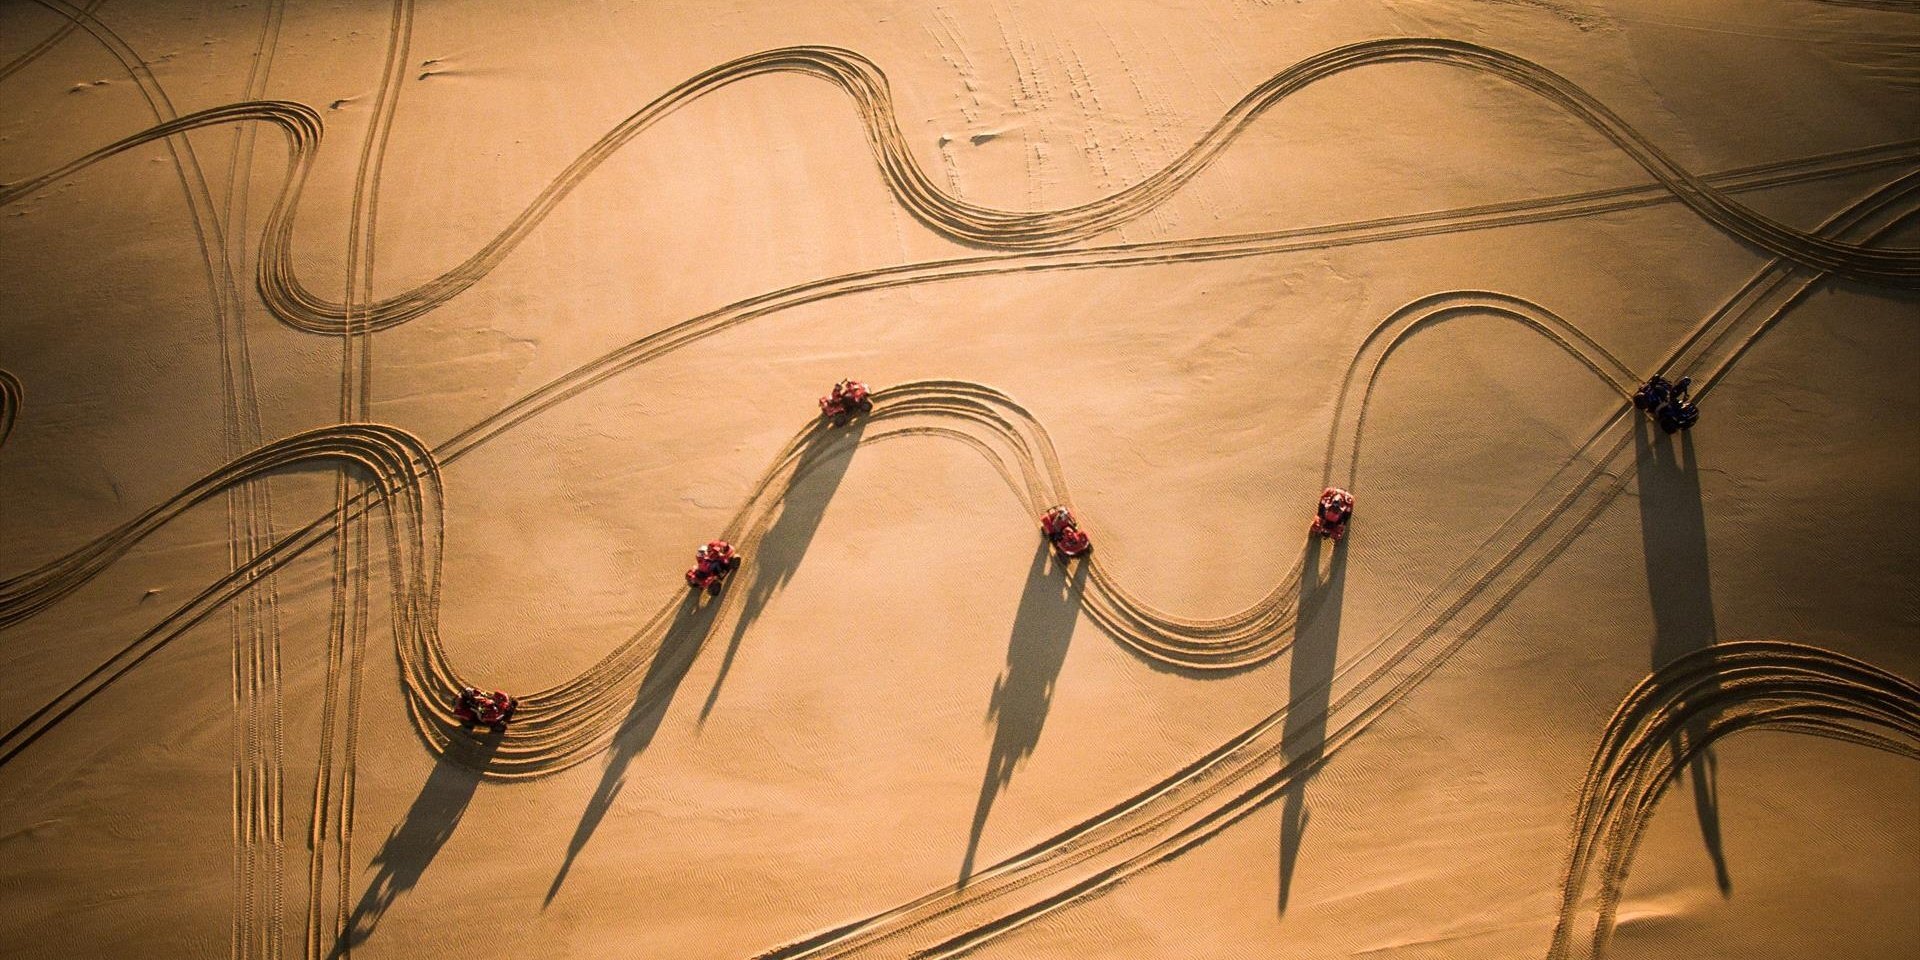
point(904, 730)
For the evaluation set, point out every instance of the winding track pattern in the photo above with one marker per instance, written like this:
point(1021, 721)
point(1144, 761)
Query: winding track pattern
point(561, 724)
point(259, 742)
point(1710, 694)
point(866, 85)
point(38, 50)
point(1253, 768)
point(407, 484)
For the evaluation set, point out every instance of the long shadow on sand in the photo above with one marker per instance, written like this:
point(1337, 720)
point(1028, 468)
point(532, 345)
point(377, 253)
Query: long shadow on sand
point(1673, 527)
point(780, 551)
point(1315, 653)
point(670, 665)
point(1022, 695)
point(412, 845)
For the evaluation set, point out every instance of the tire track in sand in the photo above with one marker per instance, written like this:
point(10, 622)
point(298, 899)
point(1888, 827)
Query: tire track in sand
point(1253, 768)
point(866, 85)
point(259, 722)
point(1166, 819)
point(18, 604)
point(561, 725)
point(1747, 303)
point(347, 628)
point(550, 736)
point(38, 50)
point(302, 128)
point(254, 626)
point(1680, 710)
point(1129, 256)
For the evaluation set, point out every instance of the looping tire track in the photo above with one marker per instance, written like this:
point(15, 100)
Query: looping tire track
point(564, 724)
point(1709, 694)
point(866, 85)
point(259, 748)
point(1251, 769)
point(1842, 265)
point(1026, 459)
point(38, 50)
point(1157, 824)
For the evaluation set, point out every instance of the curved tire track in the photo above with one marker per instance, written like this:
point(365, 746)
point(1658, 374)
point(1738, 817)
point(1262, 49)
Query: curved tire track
point(1709, 694)
point(561, 725)
point(1210, 818)
point(1253, 768)
point(866, 86)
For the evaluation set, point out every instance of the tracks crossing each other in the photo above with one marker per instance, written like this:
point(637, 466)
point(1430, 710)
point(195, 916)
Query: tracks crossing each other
point(565, 724)
point(866, 85)
point(562, 725)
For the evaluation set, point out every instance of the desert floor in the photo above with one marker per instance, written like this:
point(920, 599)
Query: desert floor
point(357, 352)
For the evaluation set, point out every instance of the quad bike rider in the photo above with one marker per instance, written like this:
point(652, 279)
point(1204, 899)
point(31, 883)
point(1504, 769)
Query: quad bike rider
point(1064, 532)
point(711, 565)
point(1669, 404)
point(848, 398)
point(1335, 511)
point(491, 709)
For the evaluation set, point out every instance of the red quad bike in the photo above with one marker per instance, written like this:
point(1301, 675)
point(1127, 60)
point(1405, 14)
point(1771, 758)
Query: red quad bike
point(711, 565)
point(1064, 532)
point(848, 398)
point(1335, 511)
point(491, 709)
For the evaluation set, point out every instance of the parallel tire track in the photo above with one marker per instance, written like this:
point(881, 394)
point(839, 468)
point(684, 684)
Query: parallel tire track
point(38, 50)
point(866, 85)
point(259, 716)
point(561, 727)
point(403, 485)
point(348, 627)
point(1253, 768)
point(258, 745)
point(1697, 699)
point(1170, 817)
